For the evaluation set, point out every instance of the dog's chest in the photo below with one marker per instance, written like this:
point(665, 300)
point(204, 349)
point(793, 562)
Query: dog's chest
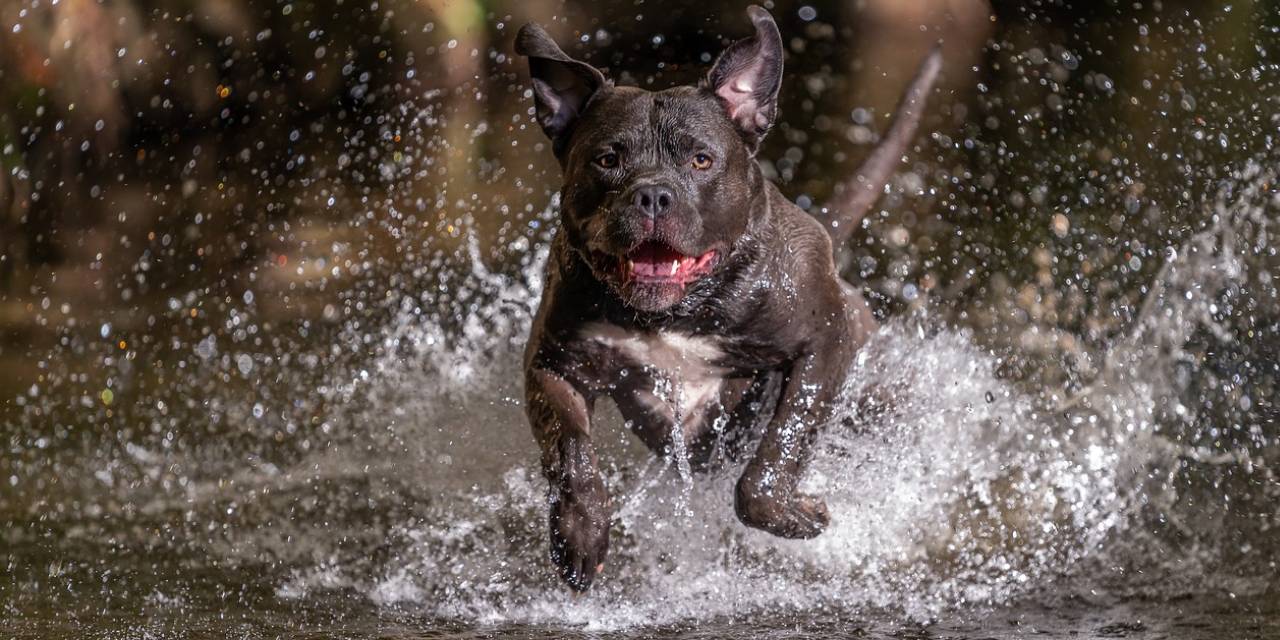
point(673, 373)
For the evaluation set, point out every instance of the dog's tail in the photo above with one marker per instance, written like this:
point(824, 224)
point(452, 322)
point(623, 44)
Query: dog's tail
point(856, 195)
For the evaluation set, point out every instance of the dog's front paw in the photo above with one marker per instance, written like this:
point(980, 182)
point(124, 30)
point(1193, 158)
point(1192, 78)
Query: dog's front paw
point(789, 515)
point(580, 532)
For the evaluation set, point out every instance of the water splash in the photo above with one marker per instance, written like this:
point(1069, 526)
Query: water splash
point(948, 485)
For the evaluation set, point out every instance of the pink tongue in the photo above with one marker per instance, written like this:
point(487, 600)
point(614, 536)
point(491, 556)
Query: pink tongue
point(655, 261)
point(655, 269)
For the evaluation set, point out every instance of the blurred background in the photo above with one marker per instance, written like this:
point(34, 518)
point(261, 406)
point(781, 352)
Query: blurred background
point(196, 150)
point(212, 206)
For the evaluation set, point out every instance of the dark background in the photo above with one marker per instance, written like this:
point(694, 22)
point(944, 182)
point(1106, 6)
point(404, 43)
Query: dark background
point(159, 150)
point(284, 179)
point(284, 174)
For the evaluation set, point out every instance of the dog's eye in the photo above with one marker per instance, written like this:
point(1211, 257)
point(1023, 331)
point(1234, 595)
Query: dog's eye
point(701, 161)
point(607, 160)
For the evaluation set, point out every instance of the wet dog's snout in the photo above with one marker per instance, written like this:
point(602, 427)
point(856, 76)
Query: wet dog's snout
point(654, 199)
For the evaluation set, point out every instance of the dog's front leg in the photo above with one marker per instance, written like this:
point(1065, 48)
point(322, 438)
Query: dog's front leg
point(561, 418)
point(767, 497)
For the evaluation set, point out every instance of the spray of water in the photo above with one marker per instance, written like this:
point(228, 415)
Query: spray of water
point(948, 485)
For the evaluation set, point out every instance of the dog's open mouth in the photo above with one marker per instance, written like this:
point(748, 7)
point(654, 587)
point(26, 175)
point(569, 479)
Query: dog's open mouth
point(657, 262)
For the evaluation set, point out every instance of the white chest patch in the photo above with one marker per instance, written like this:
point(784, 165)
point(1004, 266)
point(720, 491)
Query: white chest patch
point(688, 379)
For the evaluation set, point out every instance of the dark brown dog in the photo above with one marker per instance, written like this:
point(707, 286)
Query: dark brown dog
point(685, 287)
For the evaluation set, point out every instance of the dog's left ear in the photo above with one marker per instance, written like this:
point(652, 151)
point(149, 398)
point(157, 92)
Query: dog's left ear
point(747, 77)
point(562, 86)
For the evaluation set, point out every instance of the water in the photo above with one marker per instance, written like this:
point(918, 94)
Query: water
point(955, 491)
point(1067, 426)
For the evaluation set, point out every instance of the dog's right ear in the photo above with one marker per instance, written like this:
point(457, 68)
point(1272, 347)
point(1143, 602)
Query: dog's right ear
point(562, 86)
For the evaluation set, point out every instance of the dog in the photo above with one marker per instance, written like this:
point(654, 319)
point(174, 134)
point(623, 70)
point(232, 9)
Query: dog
point(686, 288)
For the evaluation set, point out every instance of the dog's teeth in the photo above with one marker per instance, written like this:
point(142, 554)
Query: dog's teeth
point(631, 266)
point(675, 266)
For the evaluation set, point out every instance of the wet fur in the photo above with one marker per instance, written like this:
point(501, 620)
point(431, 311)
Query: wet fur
point(757, 349)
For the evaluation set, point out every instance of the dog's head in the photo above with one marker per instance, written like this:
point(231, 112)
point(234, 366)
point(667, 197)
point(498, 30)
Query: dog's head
point(659, 186)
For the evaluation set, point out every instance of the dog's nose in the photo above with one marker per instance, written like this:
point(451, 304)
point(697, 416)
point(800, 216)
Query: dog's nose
point(653, 199)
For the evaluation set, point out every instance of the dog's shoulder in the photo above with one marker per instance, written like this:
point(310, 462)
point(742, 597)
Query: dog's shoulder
point(802, 243)
point(570, 299)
